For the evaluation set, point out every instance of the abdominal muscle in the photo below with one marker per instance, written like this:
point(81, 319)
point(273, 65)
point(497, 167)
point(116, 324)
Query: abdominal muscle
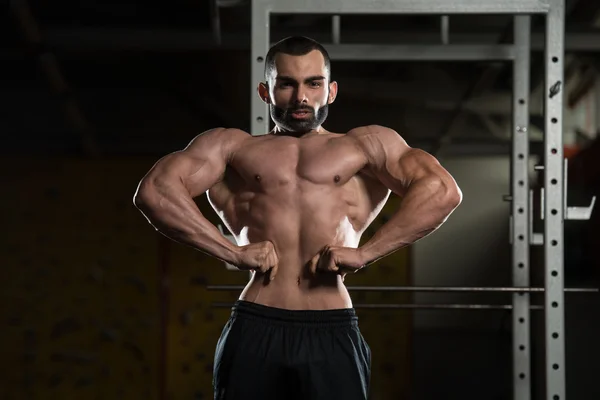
point(294, 287)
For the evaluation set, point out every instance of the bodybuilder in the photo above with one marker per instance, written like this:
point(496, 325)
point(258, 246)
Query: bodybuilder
point(297, 201)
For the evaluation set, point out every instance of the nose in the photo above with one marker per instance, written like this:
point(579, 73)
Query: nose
point(301, 95)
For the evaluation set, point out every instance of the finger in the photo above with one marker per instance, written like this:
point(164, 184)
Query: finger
point(313, 264)
point(331, 266)
point(258, 267)
point(265, 267)
point(274, 265)
point(273, 271)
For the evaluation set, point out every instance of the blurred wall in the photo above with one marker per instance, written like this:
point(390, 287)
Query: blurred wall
point(79, 282)
point(466, 352)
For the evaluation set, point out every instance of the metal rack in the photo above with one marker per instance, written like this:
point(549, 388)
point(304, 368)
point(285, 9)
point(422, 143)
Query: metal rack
point(554, 206)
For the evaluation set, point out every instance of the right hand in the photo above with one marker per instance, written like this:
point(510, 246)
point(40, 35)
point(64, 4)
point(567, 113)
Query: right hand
point(259, 256)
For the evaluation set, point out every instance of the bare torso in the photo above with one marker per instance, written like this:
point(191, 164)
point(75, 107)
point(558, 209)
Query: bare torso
point(301, 194)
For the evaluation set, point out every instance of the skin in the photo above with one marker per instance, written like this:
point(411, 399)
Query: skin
point(298, 199)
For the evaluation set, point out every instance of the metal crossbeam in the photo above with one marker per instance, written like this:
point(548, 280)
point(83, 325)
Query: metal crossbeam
point(404, 6)
point(374, 52)
point(485, 307)
point(432, 289)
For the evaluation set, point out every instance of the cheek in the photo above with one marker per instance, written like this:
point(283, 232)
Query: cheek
point(321, 99)
point(282, 96)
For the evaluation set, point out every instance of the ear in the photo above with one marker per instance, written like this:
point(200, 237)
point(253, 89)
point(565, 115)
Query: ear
point(333, 89)
point(263, 92)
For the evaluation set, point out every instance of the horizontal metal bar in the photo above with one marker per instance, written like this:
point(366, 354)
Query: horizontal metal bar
point(422, 306)
point(404, 6)
point(372, 52)
point(445, 289)
point(95, 39)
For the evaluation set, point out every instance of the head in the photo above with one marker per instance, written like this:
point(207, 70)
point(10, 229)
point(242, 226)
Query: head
point(298, 86)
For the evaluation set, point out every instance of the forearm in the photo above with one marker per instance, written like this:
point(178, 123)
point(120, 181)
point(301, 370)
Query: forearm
point(424, 208)
point(171, 210)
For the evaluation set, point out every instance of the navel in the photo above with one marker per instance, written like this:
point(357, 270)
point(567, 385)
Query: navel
point(336, 178)
point(298, 281)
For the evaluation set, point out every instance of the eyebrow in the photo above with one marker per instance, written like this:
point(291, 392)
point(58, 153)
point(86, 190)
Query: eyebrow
point(310, 78)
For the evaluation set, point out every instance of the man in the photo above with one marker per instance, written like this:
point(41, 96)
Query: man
point(297, 201)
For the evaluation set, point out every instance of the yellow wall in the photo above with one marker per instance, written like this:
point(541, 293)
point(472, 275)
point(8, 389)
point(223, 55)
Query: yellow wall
point(82, 292)
point(79, 282)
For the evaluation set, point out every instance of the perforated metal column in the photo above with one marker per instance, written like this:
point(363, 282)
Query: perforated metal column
point(554, 207)
point(259, 117)
point(521, 209)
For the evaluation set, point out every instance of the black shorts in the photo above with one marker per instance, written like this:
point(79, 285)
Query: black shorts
point(271, 353)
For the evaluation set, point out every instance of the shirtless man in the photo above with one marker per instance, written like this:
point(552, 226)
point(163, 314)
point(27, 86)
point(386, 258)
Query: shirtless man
point(297, 201)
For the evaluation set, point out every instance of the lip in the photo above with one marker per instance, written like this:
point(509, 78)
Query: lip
point(301, 114)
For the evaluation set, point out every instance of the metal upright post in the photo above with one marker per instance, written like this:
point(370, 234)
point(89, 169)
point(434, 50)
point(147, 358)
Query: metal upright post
point(520, 209)
point(259, 113)
point(554, 207)
point(597, 113)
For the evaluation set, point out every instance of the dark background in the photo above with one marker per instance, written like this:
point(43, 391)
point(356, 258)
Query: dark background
point(97, 305)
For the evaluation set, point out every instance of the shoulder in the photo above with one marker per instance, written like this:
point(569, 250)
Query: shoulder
point(376, 133)
point(379, 142)
point(224, 140)
point(221, 135)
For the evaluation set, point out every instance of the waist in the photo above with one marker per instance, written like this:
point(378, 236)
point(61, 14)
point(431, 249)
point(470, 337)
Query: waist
point(343, 317)
point(324, 292)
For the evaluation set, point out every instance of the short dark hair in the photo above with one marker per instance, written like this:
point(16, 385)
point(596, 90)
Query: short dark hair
point(295, 46)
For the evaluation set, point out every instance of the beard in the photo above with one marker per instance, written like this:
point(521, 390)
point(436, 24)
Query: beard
point(284, 118)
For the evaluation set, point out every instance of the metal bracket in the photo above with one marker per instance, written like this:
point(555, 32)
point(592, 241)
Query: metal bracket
point(571, 213)
point(577, 213)
point(535, 239)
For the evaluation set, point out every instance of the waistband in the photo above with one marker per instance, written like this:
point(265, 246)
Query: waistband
point(343, 317)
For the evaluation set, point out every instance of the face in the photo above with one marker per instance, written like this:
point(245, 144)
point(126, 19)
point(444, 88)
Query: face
point(298, 92)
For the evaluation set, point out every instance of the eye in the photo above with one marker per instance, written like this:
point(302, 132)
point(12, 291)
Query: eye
point(315, 84)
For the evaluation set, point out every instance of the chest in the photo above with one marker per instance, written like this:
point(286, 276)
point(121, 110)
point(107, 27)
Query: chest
point(279, 162)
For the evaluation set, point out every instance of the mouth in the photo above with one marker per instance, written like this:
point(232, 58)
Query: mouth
point(301, 114)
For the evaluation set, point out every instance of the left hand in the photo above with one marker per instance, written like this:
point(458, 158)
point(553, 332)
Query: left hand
point(342, 260)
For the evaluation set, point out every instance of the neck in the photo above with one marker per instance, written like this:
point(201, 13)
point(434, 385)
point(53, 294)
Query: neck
point(278, 130)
